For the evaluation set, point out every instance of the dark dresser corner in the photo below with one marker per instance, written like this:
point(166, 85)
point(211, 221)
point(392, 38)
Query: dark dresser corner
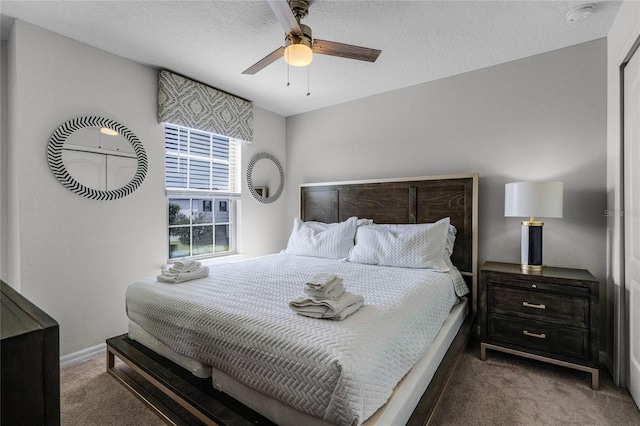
point(30, 362)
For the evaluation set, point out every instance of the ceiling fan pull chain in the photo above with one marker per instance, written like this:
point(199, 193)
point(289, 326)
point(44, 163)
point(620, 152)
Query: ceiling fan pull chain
point(288, 66)
point(308, 79)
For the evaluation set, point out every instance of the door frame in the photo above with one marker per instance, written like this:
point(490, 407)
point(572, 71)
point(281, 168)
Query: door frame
point(621, 366)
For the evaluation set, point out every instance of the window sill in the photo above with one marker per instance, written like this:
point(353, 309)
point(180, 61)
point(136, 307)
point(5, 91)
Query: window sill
point(222, 259)
point(215, 260)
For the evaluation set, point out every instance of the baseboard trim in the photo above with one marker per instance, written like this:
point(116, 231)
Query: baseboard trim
point(83, 355)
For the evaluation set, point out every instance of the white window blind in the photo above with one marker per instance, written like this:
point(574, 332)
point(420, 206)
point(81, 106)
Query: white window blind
point(201, 163)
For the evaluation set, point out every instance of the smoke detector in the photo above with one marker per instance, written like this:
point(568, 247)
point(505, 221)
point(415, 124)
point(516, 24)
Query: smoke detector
point(581, 12)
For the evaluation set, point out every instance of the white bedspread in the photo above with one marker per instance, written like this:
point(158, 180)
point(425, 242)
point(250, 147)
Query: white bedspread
point(238, 320)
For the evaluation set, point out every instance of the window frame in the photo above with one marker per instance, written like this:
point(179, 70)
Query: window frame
point(231, 224)
point(230, 196)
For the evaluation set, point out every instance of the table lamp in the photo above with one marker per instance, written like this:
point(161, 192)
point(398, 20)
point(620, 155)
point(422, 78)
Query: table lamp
point(532, 199)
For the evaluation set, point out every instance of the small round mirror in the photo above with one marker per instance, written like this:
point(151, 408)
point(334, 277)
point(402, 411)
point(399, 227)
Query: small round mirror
point(97, 158)
point(264, 174)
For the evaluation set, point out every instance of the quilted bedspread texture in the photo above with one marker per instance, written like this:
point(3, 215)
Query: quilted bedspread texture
point(238, 320)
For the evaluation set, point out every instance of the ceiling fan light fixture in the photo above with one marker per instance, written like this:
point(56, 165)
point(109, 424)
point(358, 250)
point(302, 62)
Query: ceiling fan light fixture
point(299, 45)
point(298, 55)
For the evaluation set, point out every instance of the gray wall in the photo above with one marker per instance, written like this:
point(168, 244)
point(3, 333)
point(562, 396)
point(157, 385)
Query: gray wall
point(538, 118)
point(542, 117)
point(75, 257)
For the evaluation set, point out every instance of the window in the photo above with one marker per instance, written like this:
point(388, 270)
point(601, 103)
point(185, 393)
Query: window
point(202, 175)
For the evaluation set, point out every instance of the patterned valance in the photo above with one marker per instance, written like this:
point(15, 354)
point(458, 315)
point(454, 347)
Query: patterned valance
point(191, 104)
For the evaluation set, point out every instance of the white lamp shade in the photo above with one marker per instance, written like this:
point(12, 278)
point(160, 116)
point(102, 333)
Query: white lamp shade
point(533, 199)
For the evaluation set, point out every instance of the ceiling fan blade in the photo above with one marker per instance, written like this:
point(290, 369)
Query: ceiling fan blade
point(285, 16)
point(267, 60)
point(342, 50)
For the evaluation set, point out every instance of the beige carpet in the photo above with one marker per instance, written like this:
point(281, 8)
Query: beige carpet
point(90, 396)
point(503, 390)
point(507, 390)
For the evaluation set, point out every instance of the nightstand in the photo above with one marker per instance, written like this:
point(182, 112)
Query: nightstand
point(549, 315)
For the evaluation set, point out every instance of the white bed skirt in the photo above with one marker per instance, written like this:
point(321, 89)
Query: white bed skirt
point(396, 411)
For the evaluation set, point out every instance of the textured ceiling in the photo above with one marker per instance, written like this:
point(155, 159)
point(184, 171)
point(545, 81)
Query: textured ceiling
point(214, 41)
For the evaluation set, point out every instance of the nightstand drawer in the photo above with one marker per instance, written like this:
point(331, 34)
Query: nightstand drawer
point(539, 305)
point(537, 283)
point(552, 338)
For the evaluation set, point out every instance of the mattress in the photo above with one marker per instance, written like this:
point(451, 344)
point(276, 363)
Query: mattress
point(397, 410)
point(196, 368)
point(238, 321)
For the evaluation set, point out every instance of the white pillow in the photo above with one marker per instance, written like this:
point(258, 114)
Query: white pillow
point(364, 222)
point(318, 239)
point(402, 228)
point(415, 247)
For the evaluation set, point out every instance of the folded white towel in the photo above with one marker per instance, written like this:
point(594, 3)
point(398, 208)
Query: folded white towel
point(337, 309)
point(186, 265)
point(185, 276)
point(348, 310)
point(332, 291)
point(183, 263)
point(183, 267)
point(321, 280)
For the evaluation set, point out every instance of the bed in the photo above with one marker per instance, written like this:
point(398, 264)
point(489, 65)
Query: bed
point(387, 363)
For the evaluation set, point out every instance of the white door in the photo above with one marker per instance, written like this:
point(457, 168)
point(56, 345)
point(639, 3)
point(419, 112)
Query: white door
point(632, 215)
point(120, 171)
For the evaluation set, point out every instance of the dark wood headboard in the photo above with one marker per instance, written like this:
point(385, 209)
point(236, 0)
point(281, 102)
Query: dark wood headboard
point(422, 199)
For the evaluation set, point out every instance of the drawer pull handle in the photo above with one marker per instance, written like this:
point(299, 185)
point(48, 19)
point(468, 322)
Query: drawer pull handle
point(531, 305)
point(539, 336)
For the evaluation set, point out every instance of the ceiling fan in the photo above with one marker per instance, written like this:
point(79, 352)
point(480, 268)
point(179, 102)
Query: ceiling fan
point(300, 45)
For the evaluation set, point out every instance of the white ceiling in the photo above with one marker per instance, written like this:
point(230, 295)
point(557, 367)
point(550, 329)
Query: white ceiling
point(214, 41)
